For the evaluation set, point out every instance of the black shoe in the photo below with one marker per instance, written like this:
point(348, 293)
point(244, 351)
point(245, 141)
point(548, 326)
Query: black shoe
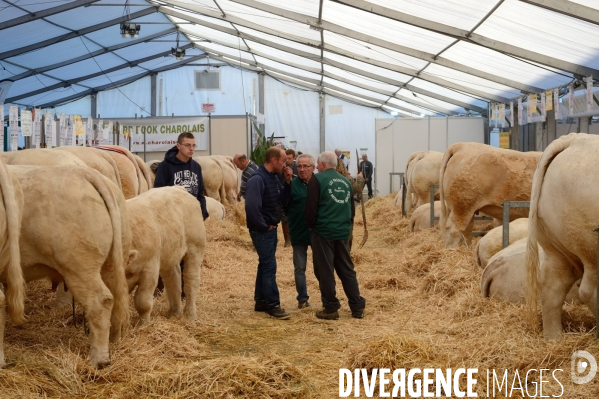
point(358, 314)
point(278, 313)
point(303, 304)
point(322, 314)
point(260, 307)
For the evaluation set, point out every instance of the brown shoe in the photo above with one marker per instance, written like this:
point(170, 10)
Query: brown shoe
point(303, 304)
point(322, 314)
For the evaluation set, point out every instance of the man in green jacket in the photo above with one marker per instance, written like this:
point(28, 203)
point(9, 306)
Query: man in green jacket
point(298, 228)
point(329, 213)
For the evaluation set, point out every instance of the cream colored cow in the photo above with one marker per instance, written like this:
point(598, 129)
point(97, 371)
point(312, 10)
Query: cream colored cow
point(411, 160)
point(96, 159)
point(492, 242)
point(421, 217)
point(505, 276)
point(41, 157)
point(229, 178)
point(11, 207)
point(212, 174)
point(562, 219)
point(167, 227)
point(215, 209)
point(422, 173)
point(479, 178)
point(78, 233)
point(135, 179)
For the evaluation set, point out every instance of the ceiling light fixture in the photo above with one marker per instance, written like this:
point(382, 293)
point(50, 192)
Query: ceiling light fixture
point(128, 28)
point(177, 51)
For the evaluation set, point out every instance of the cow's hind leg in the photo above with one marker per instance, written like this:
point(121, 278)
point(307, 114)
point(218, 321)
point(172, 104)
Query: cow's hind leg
point(588, 286)
point(2, 321)
point(458, 229)
point(97, 301)
point(557, 277)
point(172, 282)
point(191, 277)
point(144, 295)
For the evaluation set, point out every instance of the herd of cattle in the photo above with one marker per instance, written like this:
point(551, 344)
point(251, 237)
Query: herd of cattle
point(85, 219)
point(552, 252)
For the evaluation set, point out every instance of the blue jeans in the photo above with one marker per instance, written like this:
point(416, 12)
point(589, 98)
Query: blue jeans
point(266, 290)
point(300, 258)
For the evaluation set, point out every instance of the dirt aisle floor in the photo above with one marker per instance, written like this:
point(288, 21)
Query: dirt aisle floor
point(424, 310)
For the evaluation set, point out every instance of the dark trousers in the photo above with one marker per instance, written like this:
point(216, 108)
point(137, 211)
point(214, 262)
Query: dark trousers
point(300, 258)
point(330, 257)
point(266, 290)
point(369, 185)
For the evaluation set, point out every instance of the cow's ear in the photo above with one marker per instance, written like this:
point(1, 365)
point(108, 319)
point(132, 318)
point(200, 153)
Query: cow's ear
point(132, 256)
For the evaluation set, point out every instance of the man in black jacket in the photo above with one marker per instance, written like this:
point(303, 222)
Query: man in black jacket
point(264, 198)
point(179, 169)
point(366, 169)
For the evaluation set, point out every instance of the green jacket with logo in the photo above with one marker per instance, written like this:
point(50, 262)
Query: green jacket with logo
point(298, 227)
point(329, 205)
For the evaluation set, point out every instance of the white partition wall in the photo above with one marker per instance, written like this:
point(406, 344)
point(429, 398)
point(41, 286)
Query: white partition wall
point(397, 138)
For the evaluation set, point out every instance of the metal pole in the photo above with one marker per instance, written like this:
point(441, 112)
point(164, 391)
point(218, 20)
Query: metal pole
point(506, 224)
point(403, 199)
point(432, 199)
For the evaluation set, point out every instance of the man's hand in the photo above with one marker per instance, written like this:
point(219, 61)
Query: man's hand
point(238, 197)
point(366, 180)
point(271, 227)
point(288, 174)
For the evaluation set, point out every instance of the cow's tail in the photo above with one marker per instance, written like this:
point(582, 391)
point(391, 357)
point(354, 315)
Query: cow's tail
point(444, 211)
point(407, 179)
point(487, 279)
point(113, 271)
point(532, 248)
point(477, 254)
point(138, 171)
point(115, 167)
point(222, 190)
point(15, 293)
point(145, 171)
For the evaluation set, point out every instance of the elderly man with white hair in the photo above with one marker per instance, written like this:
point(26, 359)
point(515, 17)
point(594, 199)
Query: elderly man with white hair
point(330, 213)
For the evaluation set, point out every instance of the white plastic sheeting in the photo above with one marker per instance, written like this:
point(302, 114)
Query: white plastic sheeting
point(468, 52)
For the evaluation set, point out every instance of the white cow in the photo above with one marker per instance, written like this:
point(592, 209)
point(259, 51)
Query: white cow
point(78, 233)
point(11, 206)
point(505, 276)
point(215, 209)
point(492, 242)
point(421, 217)
point(562, 219)
point(167, 227)
point(423, 172)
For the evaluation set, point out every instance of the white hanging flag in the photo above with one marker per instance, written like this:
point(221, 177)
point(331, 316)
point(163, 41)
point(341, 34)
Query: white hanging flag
point(529, 109)
point(589, 93)
point(520, 117)
point(511, 113)
point(13, 126)
point(571, 100)
point(2, 127)
point(543, 111)
point(37, 127)
point(89, 132)
point(48, 122)
point(556, 103)
point(110, 133)
point(26, 123)
point(63, 130)
point(71, 131)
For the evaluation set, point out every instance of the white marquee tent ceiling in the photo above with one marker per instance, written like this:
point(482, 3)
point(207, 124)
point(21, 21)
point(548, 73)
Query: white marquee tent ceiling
point(433, 57)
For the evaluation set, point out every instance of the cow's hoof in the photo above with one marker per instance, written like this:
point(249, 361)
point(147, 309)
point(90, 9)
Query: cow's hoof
point(102, 364)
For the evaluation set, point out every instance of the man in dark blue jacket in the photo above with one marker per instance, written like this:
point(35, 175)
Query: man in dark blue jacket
point(179, 169)
point(264, 196)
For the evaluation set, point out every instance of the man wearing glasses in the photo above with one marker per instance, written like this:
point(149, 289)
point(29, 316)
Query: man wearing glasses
point(298, 228)
point(179, 169)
